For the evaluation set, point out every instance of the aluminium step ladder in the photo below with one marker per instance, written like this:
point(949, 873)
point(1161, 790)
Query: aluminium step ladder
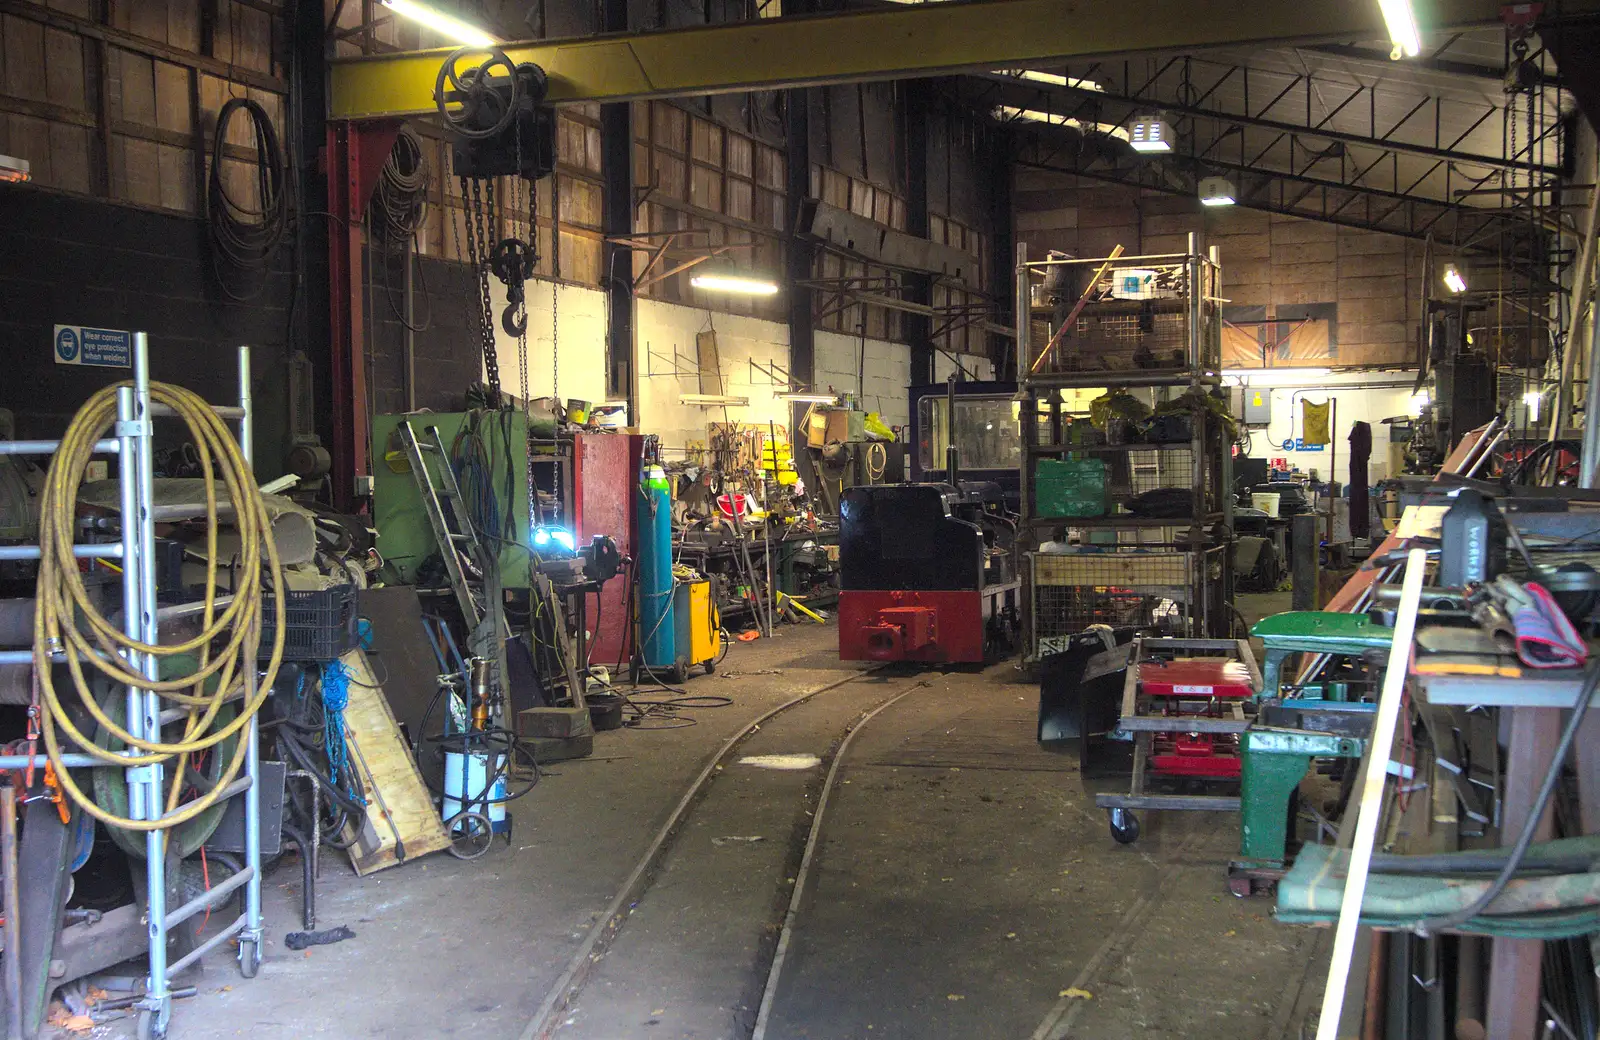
point(473, 570)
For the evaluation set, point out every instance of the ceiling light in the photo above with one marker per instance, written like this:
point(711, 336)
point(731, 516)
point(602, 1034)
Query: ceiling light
point(745, 285)
point(1008, 113)
point(1216, 191)
point(14, 169)
point(1453, 279)
point(1054, 79)
point(448, 26)
point(1276, 376)
point(1150, 134)
point(806, 397)
point(1402, 23)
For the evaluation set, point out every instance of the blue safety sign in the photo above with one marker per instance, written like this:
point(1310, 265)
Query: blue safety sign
point(80, 345)
point(1299, 444)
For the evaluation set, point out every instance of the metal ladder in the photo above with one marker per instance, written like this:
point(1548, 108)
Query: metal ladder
point(454, 541)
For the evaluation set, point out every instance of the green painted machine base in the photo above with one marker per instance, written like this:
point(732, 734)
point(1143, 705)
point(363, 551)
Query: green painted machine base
point(1274, 763)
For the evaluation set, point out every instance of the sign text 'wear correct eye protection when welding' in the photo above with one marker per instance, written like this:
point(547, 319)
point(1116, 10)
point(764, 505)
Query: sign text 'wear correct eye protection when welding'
point(81, 345)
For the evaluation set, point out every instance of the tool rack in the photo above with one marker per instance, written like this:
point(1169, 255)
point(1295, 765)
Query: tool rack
point(1168, 573)
point(1186, 704)
point(132, 442)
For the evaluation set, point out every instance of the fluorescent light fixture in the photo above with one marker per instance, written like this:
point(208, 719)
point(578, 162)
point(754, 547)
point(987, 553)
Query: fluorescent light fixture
point(445, 25)
point(14, 169)
point(1275, 376)
point(1055, 79)
point(1453, 279)
point(806, 397)
point(714, 400)
point(1533, 398)
point(1150, 134)
point(1216, 191)
point(1402, 23)
point(1009, 113)
point(731, 280)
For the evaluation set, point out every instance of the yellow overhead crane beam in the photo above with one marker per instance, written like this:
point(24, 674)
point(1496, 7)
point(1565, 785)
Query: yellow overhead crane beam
point(897, 42)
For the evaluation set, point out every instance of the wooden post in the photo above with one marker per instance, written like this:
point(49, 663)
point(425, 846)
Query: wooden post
point(1514, 964)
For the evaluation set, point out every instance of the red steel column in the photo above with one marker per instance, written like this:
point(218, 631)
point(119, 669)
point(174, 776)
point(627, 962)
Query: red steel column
point(355, 155)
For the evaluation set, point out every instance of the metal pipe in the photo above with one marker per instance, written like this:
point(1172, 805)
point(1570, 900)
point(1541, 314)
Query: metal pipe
point(13, 911)
point(1581, 278)
point(952, 453)
point(250, 931)
point(195, 954)
point(1589, 460)
point(127, 426)
point(146, 722)
point(223, 411)
point(108, 551)
point(73, 760)
point(109, 446)
point(246, 430)
point(208, 899)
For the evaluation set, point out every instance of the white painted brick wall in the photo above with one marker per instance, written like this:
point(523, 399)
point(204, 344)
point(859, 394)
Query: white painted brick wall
point(666, 329)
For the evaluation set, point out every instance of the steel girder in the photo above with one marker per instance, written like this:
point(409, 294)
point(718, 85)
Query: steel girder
point(900, 42)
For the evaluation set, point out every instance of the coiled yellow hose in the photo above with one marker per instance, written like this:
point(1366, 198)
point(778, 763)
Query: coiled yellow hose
point(63, 604)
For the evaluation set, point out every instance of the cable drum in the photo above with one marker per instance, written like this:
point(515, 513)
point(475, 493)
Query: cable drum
point(200, 674)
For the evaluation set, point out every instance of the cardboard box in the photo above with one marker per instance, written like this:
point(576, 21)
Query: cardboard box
point(836, 424)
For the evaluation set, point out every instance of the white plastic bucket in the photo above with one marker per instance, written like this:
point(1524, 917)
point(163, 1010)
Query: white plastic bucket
point(477, 769)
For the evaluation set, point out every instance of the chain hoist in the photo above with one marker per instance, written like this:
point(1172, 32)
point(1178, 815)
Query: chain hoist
point(479, 195)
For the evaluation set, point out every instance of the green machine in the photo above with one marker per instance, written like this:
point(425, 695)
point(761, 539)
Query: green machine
point(1317, 721)
point(490, 452)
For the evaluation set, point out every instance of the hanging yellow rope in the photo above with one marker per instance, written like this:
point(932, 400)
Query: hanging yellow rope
point(66, 618)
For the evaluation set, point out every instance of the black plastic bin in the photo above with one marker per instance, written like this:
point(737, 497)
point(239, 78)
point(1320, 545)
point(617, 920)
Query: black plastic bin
point(320, 625)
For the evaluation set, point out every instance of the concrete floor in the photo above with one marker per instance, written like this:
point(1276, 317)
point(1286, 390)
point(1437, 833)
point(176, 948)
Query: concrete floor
point(964, 883)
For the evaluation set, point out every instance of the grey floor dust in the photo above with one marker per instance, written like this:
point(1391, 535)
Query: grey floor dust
point(964, 884)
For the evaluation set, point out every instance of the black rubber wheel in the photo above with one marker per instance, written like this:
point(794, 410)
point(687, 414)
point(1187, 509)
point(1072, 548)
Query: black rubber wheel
point(249, 958)
point(148, 1027)
point(1124, 826)
point(711, 666)
point(472, 834)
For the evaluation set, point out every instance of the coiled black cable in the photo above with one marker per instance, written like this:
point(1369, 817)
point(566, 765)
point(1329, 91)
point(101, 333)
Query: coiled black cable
point(243, 237)
point(400, 199)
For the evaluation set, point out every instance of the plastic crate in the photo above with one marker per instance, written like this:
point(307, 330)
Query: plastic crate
point(1070, 487)
point(320, 625)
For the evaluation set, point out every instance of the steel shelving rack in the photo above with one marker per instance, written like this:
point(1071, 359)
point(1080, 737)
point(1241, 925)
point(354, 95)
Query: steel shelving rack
point(133, 443)
point(1173, 573)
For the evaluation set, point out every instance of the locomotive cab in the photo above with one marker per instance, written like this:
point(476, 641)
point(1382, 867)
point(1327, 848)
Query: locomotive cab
point(927, 573)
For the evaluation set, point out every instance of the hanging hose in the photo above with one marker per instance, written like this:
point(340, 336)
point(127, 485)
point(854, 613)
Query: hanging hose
point(63, 604)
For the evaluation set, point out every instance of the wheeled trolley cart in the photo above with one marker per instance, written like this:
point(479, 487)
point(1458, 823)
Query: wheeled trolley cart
point(1185, 705)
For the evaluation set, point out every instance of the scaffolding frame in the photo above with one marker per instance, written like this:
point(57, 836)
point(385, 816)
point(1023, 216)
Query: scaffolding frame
point(133, 443)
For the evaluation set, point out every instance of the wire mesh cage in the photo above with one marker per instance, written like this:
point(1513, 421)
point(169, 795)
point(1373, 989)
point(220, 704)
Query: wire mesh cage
point(1141, 589)
point(1128, 316)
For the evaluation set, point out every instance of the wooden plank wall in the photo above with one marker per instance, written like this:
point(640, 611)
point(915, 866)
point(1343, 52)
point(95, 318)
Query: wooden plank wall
point(1268, 260)
point(117, 99)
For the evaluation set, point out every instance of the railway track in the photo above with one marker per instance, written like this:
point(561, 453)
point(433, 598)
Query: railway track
point(810, 722)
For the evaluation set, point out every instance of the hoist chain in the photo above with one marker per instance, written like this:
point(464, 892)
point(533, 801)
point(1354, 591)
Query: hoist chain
point(480, 221)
